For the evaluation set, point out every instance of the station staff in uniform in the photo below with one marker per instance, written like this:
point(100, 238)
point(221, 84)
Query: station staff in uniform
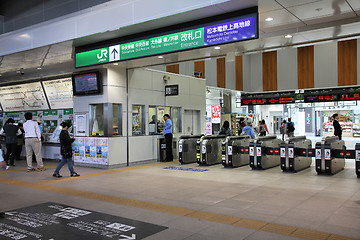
point(168, 137)
point(32, 143)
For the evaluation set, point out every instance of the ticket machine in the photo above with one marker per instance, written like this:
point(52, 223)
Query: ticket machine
point(187, 148)
point(264, 152)
point(209, 149)
point(327, 161)
point(235, 151)
point(294, 153)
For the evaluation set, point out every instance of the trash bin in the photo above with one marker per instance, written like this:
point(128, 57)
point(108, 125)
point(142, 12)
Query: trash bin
point(161, 145)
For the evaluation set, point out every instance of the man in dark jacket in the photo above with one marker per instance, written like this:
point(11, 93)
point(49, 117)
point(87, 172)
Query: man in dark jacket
point(337, 127)
point(11, 131)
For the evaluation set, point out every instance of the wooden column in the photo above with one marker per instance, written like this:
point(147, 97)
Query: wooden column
point(347, 62)
point(221, 72)
point(305, 57)
point(239, 73)
point(199, 66)
point(269, 61)
point(173, 68)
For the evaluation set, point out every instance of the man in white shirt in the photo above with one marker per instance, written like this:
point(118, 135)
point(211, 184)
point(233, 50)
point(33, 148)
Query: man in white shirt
point(32, 143)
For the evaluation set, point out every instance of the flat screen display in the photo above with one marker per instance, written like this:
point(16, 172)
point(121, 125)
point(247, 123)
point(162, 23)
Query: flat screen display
point(87, 83)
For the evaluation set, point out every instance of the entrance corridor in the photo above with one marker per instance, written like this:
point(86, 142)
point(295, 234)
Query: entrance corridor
point(220, 203)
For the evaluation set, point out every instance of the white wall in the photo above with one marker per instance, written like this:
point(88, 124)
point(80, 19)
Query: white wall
point(211, 72)
point(325, 65)
point(287, 69)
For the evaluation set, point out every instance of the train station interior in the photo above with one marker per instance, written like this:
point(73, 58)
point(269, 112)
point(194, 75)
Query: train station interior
point(113, 68)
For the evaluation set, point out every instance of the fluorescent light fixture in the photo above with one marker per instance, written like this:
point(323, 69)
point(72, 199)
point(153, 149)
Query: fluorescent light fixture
point(288, 36)
point(160, 56)
point(269, 19)
point(39, 68)
point(116, 64)
point(217, 47)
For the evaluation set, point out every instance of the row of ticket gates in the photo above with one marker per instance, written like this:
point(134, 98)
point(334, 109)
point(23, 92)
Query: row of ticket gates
point(293, 155)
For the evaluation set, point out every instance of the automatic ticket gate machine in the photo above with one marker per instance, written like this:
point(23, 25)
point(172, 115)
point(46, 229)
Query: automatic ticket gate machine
point(264, 152)
point(209, 149)
point(294, 154)
point(187, 148)
point(235, 151)
point(329, 155)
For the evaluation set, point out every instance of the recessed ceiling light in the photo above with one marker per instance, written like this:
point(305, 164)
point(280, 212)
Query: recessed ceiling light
point(217, 48)
point(116, 64)
point(288, 36)
point(39, 68)
point(269, 19)
point(160, 56)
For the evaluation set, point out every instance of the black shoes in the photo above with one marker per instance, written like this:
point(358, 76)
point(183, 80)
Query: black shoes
point(57, 175)
point(2, 215)
point(75, 175)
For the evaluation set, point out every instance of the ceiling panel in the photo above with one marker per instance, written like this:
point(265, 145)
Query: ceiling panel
point(268, 5)
point(322, 11)
point(291, 3)
point(282, 19)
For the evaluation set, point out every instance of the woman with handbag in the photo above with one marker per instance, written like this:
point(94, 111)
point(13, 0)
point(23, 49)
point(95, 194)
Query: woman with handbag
point(66, 151)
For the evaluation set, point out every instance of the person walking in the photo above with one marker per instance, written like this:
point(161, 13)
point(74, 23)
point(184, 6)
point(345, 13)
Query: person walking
point(263, 128)
point(337, 127)
point(290, 128)
point(248, 130)
point(168, 137)
point(283, 129)
point(20, 141)
point(11, 131)
point(32, 143)
point(65, 151)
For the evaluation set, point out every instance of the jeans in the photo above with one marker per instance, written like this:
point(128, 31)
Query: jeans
point(62, 163)
point(10, 153)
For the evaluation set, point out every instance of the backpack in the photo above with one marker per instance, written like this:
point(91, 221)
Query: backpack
point(290, 127)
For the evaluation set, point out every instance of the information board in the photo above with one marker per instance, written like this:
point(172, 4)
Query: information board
point(59, 93)
point(233, 29)
point(57, 221)
point(23, 97)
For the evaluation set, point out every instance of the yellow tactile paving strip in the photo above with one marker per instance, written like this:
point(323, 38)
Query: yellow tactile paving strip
point(219, 218)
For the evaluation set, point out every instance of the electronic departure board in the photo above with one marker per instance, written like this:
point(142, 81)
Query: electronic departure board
point(332, 94)
point(268, 98)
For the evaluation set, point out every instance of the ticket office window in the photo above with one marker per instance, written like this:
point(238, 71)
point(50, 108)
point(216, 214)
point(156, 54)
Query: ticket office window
point(138, 120)
point(105, 119)
point(156, 119)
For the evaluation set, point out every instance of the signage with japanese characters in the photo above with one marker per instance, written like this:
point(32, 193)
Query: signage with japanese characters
point(216, 114)
point(57, 221)
point(233, 29)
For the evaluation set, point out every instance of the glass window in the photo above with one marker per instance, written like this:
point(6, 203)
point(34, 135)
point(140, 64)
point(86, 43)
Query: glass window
point(97, 120)
point(153, 121)
point(138, 120)
point(160, 113)
point(176, 119)
point(117, 119)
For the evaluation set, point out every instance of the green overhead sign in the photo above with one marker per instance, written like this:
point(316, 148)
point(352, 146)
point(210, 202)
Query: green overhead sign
point(230, 30)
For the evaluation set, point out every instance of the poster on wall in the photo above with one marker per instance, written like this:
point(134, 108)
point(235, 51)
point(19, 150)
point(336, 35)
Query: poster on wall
point(91, 150)
point(59, 93)
point(102, 150)
point(216, 114)
point(80, 125)
point(23, 97)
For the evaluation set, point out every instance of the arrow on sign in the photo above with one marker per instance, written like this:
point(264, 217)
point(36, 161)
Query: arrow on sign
point(133, 236)
point(114, 52)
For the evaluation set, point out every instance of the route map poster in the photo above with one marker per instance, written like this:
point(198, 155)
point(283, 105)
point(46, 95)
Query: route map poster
point(23, 97)
point(59, 93)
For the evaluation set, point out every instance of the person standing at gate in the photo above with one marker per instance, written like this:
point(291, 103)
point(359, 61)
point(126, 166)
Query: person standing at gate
point(290, 128)
point(337, 127)
point(168, 137)
point(32, 143)
point(11, 131)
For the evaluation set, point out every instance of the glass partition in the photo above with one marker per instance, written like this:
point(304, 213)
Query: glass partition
point(105, 119)
point(176, 119)
point(156, 119)
point(138, 120)
point(117, 119)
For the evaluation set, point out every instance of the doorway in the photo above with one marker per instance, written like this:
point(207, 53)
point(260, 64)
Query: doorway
point(192, 122)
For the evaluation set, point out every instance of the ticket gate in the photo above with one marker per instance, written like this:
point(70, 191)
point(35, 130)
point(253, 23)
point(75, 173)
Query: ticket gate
point(264, 152)
point(235, 151)
point(187, 148)
point(209, 149)
point(329, 155)
point(294, 154)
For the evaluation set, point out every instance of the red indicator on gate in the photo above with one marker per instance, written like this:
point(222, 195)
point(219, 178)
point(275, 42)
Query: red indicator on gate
point(341, 154)
point(348, 154)
point(242, 150)
point(271, 151)
point(276, 151)
point(304, 152)
point(310, 152)
point(246, 149)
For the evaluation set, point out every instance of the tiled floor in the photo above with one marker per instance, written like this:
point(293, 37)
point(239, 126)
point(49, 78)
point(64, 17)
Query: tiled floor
point(221, 203)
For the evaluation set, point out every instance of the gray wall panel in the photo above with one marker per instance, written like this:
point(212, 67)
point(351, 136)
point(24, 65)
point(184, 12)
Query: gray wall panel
point(287, 69)
point(325, 65)
point(246, 73)
point(230, 75)
point(1, 24)
point(211, 72)
point(256, 72)
point(186, 68)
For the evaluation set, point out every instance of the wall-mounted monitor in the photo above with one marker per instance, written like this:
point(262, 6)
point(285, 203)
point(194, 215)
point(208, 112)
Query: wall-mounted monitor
point(87, 83)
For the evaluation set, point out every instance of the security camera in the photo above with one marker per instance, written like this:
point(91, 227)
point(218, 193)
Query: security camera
point(166, 78)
